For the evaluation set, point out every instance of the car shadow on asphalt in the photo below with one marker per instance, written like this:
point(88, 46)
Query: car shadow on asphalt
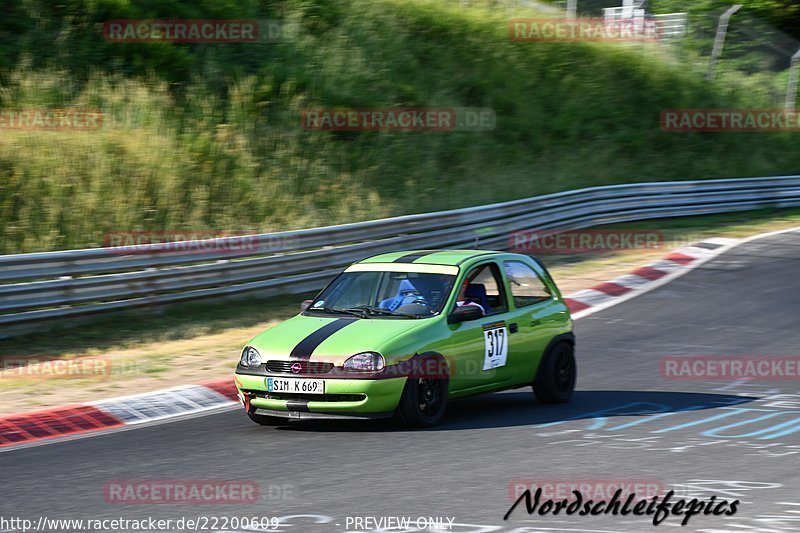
point(520, 408)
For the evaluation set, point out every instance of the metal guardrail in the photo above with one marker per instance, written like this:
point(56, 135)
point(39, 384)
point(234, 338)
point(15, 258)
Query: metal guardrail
point(40, 287)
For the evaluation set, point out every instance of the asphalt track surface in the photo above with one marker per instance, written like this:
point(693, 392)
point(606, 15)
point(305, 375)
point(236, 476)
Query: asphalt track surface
point(733, 439)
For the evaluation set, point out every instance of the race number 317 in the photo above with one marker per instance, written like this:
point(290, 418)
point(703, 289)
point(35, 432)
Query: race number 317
point(495, 345)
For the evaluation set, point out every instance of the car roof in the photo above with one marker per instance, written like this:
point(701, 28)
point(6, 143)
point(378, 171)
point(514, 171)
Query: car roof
point(432, 257)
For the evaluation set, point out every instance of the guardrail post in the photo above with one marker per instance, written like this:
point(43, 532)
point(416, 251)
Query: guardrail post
point(719, 40)
point(572, 8)
point(791, 89)
point(66, 291)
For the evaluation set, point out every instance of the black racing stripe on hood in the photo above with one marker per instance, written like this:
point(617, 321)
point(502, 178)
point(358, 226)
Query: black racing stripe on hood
point(306, 347)
point(410, 258)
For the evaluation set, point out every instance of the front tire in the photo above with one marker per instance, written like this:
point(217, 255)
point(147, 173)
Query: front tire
point(266, 420)
point(423, 403)
point(555, 380)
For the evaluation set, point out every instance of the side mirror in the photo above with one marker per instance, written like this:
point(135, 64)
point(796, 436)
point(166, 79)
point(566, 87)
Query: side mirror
point(305, 304)
point(464, 313)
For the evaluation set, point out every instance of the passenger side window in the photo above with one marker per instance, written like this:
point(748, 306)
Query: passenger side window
point(527, 288)
point(486, 280)
point(358, 291)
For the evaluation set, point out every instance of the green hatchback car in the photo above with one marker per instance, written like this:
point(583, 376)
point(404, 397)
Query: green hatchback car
point(400, 334)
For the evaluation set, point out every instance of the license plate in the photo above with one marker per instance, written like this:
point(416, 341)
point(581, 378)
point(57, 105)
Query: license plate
point(296, 385)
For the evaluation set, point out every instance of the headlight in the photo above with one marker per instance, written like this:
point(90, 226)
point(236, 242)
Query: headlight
point(250, 357)
point(365, 362)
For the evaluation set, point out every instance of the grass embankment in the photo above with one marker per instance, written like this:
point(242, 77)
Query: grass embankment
point(146, 350)
point(208, 136)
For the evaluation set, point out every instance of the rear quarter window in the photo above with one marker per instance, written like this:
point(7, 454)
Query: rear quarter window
point(527, 288)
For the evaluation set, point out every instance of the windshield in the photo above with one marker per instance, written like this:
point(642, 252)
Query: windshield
point(385, 294)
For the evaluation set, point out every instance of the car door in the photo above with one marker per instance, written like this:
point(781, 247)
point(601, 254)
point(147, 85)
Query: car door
point(537, 313)
point(479, 348)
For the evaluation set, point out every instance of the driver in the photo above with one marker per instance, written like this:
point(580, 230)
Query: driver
point(462, 298)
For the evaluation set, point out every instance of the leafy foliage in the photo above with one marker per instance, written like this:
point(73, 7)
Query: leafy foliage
point(208, 136)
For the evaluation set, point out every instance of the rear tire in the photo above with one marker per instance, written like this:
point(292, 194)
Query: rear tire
point(266, 420)
point(555, 380)
point(423, 403)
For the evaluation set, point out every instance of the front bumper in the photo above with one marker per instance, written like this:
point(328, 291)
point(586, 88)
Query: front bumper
point(301, 415)
point(365, 397)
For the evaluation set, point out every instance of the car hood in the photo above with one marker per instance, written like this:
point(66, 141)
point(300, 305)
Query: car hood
point(332, 339)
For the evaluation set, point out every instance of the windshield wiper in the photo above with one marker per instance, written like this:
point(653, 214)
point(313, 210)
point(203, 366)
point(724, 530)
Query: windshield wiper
point(379, 311)
point(353, 311)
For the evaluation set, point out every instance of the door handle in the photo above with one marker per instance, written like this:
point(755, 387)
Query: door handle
point(535, 321)
point(512, 328)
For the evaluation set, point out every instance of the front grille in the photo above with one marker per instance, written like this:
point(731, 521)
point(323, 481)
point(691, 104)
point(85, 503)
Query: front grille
point(310, 397)
point(317, 397)
point(306, 367)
